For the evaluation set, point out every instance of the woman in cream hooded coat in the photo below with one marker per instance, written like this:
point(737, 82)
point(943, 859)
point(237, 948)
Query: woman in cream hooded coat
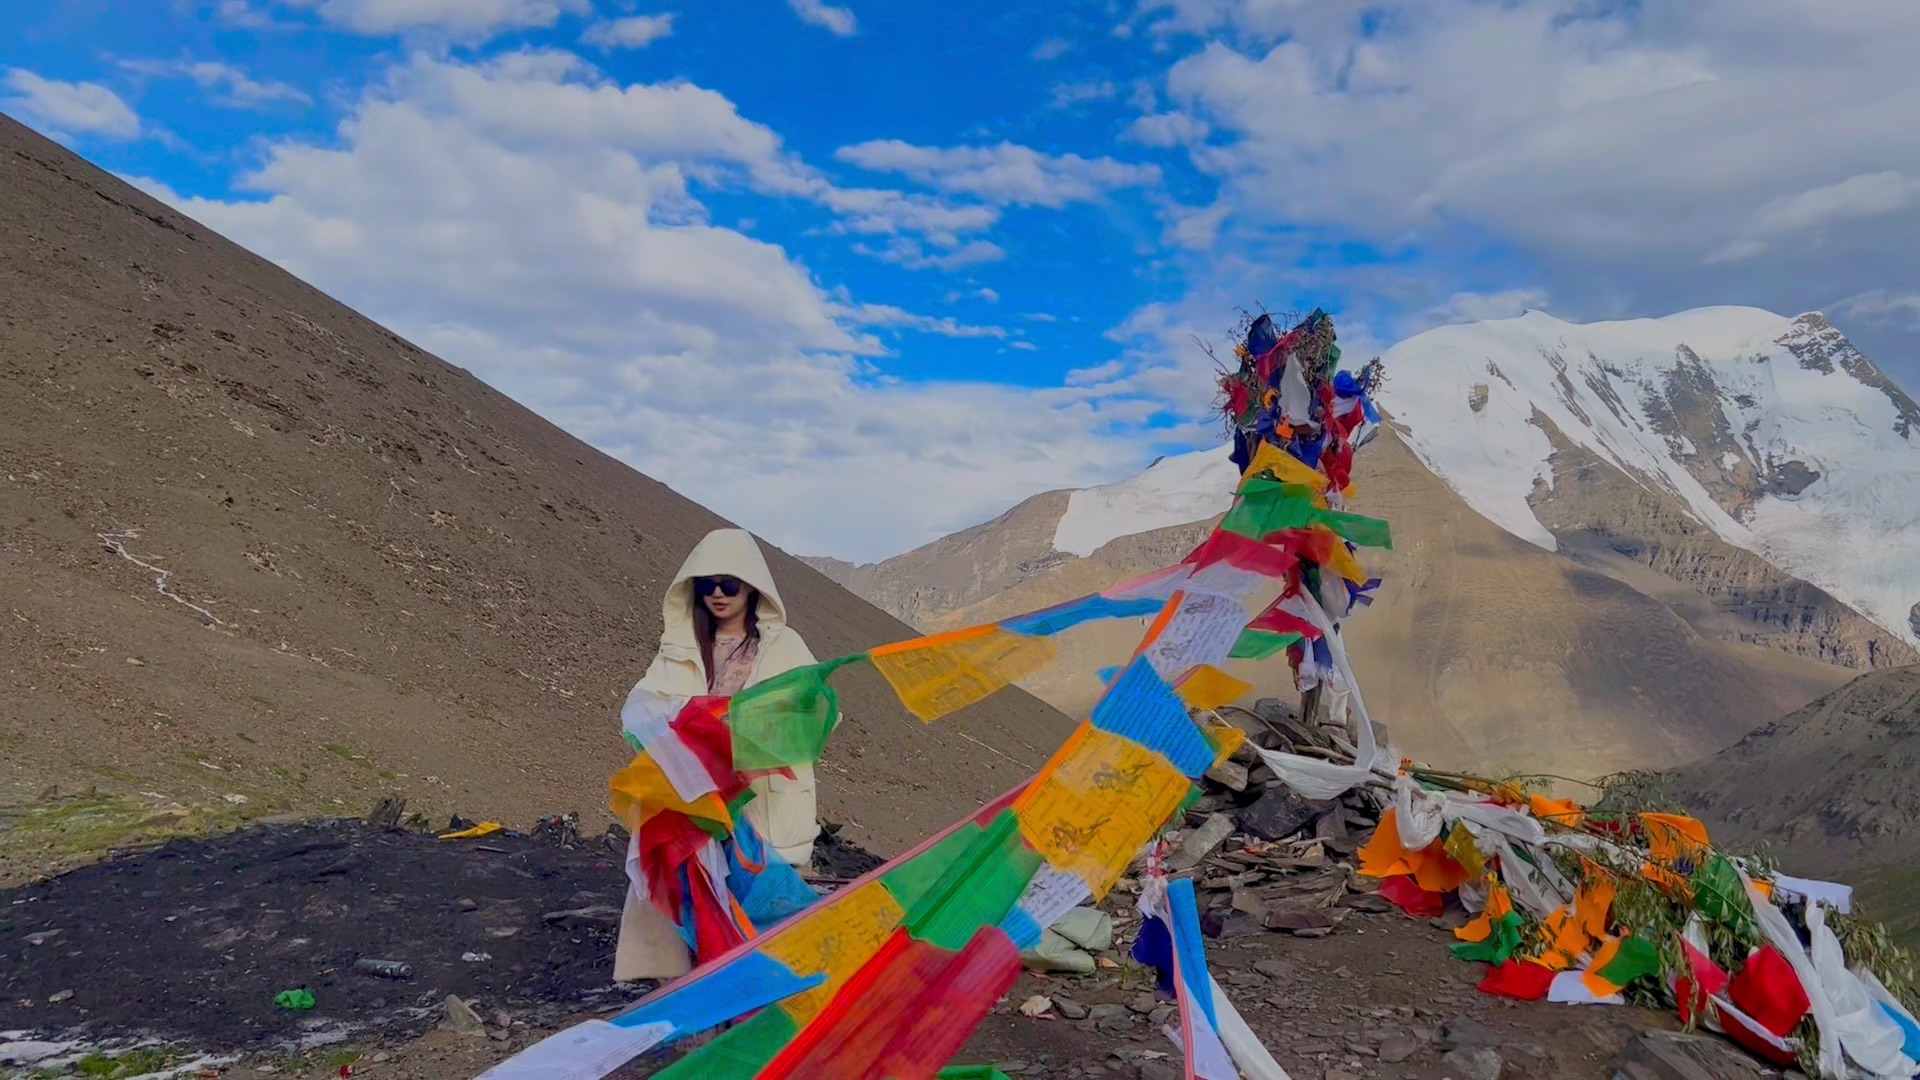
point(782, 811)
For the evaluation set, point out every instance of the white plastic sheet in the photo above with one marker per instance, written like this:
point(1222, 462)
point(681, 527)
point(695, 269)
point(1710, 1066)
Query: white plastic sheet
point(1246, 1049)
point(1313, 778)
point(1570, 988)
point(1539, 898)
point(1867, 1034)
point(1836, 896)
point(1833, 1063)
point(1419, 813)
point(585, 1051)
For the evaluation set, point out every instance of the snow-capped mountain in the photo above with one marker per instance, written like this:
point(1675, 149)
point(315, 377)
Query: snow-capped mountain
point(1774, 433)
point(1172, 491)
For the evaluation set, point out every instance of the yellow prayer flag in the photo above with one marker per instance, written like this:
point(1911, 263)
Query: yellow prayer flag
point(1284, 467)
point(836, 940)
point(485, 828)
point(1207, 687)
point(1094, 806)
point(641, 790)
point(1341, 561)
point(937, 675)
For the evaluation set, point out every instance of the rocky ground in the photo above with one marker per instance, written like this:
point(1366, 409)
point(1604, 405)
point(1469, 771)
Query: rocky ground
point(168, 962)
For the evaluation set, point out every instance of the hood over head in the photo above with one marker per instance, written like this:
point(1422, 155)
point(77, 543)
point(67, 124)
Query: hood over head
point(729, 552)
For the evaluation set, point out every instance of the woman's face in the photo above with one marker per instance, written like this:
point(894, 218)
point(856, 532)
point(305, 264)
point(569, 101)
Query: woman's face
point(725, 597)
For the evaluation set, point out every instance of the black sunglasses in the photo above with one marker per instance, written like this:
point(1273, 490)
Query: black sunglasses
point(707, 586)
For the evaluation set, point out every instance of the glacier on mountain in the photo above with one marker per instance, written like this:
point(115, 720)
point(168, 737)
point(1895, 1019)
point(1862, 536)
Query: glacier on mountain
point(1173, 491)
point(1774, 432)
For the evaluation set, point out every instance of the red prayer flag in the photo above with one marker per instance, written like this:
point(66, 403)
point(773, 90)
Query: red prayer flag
point(905, 1014)
point(1522, 979)
point(1702, 980)
point(1769, 991)
point(1241, 553)
point(1411, 898)
point(1277, 620)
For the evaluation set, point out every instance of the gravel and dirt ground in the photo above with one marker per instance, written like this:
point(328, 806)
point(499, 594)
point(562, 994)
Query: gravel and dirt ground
point(180, 951)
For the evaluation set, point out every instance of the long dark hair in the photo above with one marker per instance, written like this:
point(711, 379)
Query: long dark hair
point(704, 626)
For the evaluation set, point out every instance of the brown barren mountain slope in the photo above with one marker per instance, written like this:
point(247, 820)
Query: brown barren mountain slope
point(1834, 789)
point(1482, 652)
point(418, 585)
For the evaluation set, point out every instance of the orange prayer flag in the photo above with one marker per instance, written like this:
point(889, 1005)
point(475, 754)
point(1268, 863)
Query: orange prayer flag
point(1671, 883)
point(1383, 856)
point(1557, 811)
point(1435, 871)
point(1477, 929)
point(1593, 905)
point(1565, 939)
point(1499, 902)
point(1674, 837)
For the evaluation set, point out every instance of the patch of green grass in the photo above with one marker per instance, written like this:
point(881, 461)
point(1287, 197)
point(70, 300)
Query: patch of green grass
point(347, 755)
point(92, 824)
point(1893, 897)
point(135, 1062)
point(265, 703)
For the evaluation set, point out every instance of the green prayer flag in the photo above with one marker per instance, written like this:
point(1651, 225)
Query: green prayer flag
point(1363, 531)
point(983, 882)
point(294, 1000)
point(786, 720)
point(1260, 644)
point(740, 1052)
point(1498, 947)
point(910, 881)
point(971, 1072)
point(1718, 893)
point(1266, 506)
point(1637, 958)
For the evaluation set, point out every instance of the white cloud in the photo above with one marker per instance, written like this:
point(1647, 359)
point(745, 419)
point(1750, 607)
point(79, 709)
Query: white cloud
point(1601, 151)
point(1882, 305)
point(225, 84)
point(1194, 228)
point(1067, 95)
point(1040, 317)
point(1023, 346)
point(1168, 129)
point(1868, 195)
point(469, 20)
point(69, 109)
point(542, 228)
point(1051, 49)
point(989, 295)
point(636, 32)
point(242, 14)
point(885, 315)
point(910, 253)
point(1005, 174)
point(834, 20)
point(1464, 307)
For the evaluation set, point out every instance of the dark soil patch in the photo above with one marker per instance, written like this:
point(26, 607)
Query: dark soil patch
point(835, 857)
point(191, 942)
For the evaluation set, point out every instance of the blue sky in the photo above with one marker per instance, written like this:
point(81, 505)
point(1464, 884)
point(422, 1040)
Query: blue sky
point(785, 254)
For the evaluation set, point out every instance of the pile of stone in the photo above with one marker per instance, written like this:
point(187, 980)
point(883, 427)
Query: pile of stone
point(1263, 858)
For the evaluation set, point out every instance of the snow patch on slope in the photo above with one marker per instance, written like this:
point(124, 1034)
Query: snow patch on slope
point(1176, 490)
point(1473, 399)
